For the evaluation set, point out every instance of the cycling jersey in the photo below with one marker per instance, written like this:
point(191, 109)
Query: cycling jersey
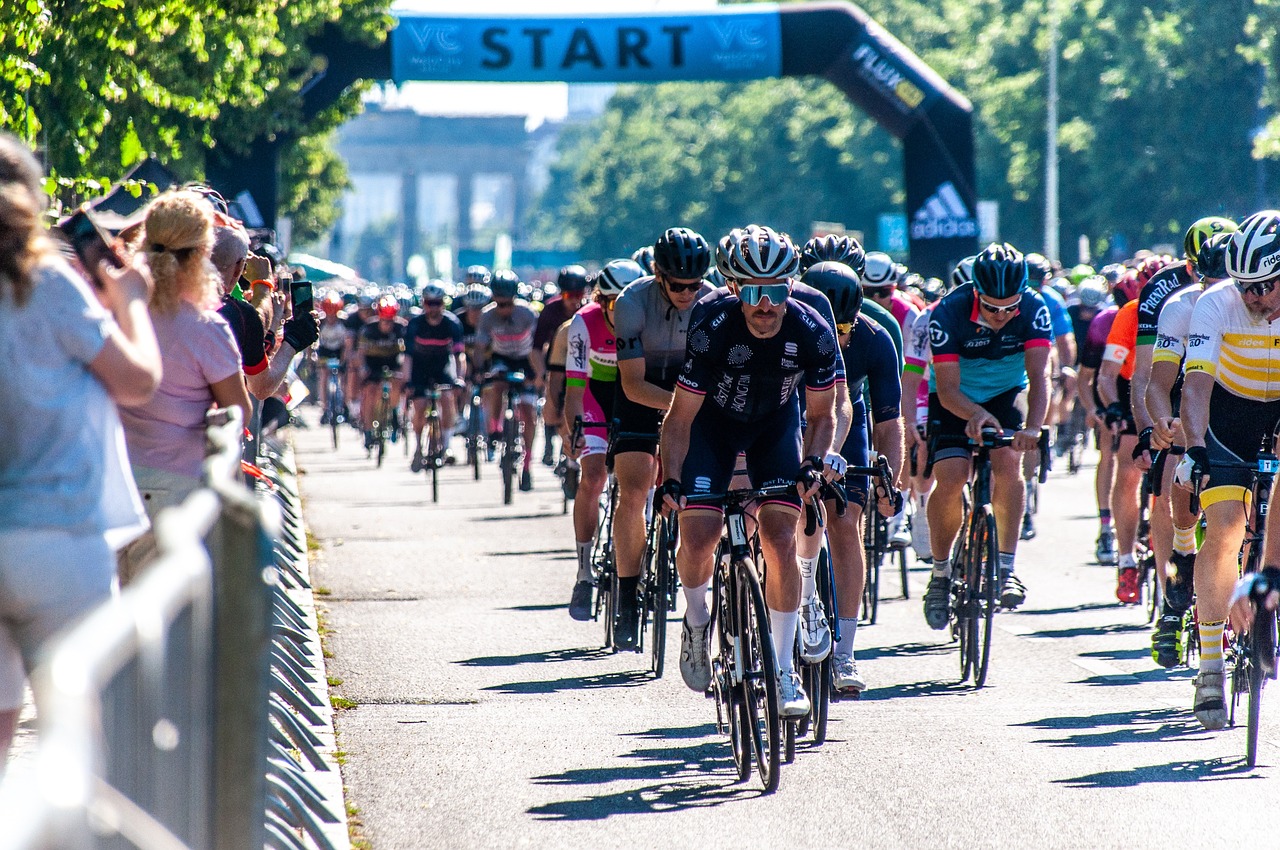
point(1095, 339)
point(510, 337)
point(649, 327)
point(1122, 340)
point(872, 365)
point(1155, 295)
point(432, 349)
point(592, 363)
point(1061, 319)
point(882, 317)
point(380, 347)
point(1081, 317)
point(554, 314)
point(991, 362)
point(747, 377)
point(333, 339)
point(1175, 323)
point(1240, 350)
point(917, 359)
point(802, 292)
point(468, 327)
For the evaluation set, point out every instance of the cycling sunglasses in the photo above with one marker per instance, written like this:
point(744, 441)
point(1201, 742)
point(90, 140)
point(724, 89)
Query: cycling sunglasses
point(433, 303)
point(673, 286)
point(754, 293)
point(1258, 287)
point(997, 310)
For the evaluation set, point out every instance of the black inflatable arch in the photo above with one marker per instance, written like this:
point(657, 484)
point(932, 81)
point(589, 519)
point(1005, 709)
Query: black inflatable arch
point(837, 41)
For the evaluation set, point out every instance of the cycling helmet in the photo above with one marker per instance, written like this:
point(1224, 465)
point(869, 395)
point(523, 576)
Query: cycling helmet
point(963, 272)
point(840, 284)
point(682, 253)
point(572, 279)
point(1126, 288)
point(1079, 273)
point(1148, 269)
point(1092, 292)
point(932, 289)
point(477, 274)
point(1038, 268)
point(1254, 252)
point(615, 276)
point(644, 257)
point(1201, 230)
point(1211, 262)
point(476, 296)
point(388, 308)
point(715, 278)
point(433, 292)
point(834, 249)
point(1112, 273)
point(331, 304)
point(880, 270)
point(506, 284)
point(757, 252)
point(1000, 271)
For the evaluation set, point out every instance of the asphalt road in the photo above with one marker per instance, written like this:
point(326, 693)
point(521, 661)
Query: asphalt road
point(488, 718)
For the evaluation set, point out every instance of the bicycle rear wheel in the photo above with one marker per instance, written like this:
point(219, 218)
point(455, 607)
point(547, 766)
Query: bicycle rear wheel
point(759, 676)
point(876, 537)
point(821, 686)
point(728, 695)
point(658, 595)
point(508, 456)
point(986, 554)
point(435, 453)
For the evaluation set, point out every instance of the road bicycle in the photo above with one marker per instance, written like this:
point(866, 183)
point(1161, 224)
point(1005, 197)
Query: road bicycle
point(383, 423)
point(475, 431)
point(744, 669)
point(335, 407)
point(513, 439)
point(434, 440)
point(975, 578)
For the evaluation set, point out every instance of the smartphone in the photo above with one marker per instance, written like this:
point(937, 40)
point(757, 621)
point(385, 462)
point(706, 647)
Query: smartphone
point(91, 242)
point(300, 293)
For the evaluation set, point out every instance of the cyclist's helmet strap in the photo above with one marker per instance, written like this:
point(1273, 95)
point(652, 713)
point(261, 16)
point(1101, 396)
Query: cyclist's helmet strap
point(1000, 271)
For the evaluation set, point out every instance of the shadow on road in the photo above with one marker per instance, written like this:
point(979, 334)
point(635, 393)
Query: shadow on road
point(1179, 771)
point(551, 606)
point(1156, 675)
point(1072, 609)
point(624, 679)
point(931, 688)
point(567, 554)
point(904, 650)
point(507, 517)
point(1131, 727)
point(575, 654)
point(1083, 631)
point(1119, 654)
point(695, 775)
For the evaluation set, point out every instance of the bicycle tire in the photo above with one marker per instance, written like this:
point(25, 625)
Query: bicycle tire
point(875, 547)
point(1152, 597)
point(382, 446)
point(333, 429)
point(508, 456)
point(1261, 643)
point(659, 594)
point(435, 453)
point(820, 696)
point(760, 676)
point(904, 573)
point(989, 595)
point(728, 694)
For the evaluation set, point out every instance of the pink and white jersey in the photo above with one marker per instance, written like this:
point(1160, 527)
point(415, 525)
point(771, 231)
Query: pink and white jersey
point(592, 363)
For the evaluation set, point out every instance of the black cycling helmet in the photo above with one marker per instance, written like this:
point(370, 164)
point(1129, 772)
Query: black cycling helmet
point(841, 285)
point(1000, 271)
point(644, 256)
point(681, 253)
point(477, 275)
point(572, 279)
point(1211, 258)
point(834, 249)
point(506, 284)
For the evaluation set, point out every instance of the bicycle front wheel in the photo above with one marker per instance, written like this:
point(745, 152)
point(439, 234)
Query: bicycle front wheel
point(659, 594)
point(508, 456)
point(759, 676)
point(1264, 641)
point(985, 553)
point(876, 540)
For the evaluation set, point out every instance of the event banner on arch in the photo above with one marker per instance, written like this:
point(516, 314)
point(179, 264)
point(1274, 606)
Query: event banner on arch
point(734, 43)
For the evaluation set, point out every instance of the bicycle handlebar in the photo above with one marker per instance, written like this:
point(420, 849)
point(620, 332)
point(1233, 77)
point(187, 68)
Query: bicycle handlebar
point(739, 498)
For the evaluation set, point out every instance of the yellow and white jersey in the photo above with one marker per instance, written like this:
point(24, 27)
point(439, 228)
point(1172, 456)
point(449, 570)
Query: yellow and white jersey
point(1241, 351)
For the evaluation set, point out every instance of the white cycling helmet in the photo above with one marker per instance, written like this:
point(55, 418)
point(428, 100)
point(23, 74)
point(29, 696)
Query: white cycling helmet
point(1254, 251)
point(963, 272)
point(476, 296)
point(756, 252)
point(881, 270)
point(616, 275)
point(433, 292)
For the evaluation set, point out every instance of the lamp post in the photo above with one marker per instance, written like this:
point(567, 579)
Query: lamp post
point(1051, 142)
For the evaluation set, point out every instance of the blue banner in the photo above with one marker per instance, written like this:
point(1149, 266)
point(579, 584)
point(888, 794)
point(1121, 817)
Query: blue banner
point(734, 43)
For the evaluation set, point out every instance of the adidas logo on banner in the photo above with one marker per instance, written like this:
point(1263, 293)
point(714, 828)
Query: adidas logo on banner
point(943, 216)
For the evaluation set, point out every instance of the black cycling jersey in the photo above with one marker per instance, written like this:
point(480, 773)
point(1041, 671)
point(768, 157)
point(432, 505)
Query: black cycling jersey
point(749, 378)
point(432, 347)
point(381, 348)
point(871, 364)
point(1081, 317)
point(1153, 297)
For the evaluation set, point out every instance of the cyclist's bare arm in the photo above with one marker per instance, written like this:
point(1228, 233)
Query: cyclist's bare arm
point(1196, 389)
point(1141, 380)
point(631, 373)
point(1036, 361)
point(675, 430)
point(1108, 372)
point(820, 421)
point(887, 438)
point(1159, 407)
point(844, 413)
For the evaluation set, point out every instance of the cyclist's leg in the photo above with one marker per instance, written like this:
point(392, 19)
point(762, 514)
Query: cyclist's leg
point(848, 565)
point(419, 398)
point(527, 413)
point(586, 504)
point(492, 395)
point(448, 413)
point(1125, 506)
point(635, 472)
point(1008, 496)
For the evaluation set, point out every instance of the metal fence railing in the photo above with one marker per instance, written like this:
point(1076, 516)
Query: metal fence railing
point(170, 717)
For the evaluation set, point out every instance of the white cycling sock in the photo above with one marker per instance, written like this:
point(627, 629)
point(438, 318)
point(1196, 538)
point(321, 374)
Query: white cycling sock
point(782, 626)
point(942, 567)
point(696, 610)
point(1127, 561)
point(584, 561)
point(848, 628)
point(808, 578)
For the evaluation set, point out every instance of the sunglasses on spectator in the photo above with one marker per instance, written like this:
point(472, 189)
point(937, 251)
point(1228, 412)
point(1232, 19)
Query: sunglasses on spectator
point(995, 309)
point(1258, 287)
point(754, 293)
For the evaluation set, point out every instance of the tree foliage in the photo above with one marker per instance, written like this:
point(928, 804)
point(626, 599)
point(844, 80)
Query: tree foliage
point(95, 85)
point(1160, 109)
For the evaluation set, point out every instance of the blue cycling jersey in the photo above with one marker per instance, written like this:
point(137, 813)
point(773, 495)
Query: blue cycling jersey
point(991, 362)
point(1057, 311)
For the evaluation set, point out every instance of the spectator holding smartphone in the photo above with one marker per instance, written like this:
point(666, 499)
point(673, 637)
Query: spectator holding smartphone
point(67, 357)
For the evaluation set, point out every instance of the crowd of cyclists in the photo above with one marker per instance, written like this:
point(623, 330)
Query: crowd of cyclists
point(691, 369)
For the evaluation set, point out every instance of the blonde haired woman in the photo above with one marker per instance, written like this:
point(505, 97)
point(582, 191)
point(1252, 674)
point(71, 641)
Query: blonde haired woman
point(66, 358)
point(201, 361)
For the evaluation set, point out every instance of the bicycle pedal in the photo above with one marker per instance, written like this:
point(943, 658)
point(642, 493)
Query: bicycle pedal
point(847, 693)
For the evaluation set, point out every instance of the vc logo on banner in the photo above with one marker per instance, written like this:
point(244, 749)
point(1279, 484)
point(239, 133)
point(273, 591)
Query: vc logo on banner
point(743, 44)
point(438, 47)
